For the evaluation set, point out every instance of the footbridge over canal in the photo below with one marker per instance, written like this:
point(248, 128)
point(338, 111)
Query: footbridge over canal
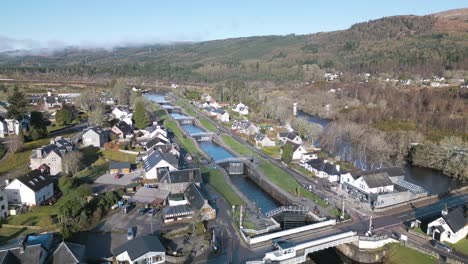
point(234, 165)
point(203, 136)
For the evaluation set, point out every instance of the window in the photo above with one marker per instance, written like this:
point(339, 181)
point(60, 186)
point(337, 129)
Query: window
point(3, 207)
point(1, 198)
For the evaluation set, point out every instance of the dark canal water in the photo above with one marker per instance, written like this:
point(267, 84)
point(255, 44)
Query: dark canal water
point(433, 181)
point(250, 189)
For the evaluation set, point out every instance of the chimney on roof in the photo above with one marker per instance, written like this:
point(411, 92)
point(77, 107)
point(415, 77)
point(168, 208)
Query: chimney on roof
point(325, 161)
point(22, 244)
point(337, 167)
point(49, 93)
point(39, 153)
point(7, 181)
point(444, 210)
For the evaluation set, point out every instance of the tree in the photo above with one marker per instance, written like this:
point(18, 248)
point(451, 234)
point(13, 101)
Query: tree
point(141, 118)
point(67, 184)
point(63, 116)
point(71, 162)
point(38, 128)
point(88, 101)
point(121, 92)
point(18, 103)
point(96, 117)
point(287, 153)
point(15, 142)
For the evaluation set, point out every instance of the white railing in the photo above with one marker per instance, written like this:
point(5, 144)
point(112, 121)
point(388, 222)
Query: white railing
point(281, 209)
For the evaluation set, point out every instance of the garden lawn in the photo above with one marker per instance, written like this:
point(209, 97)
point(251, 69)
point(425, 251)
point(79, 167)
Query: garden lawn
point(401, 254)
point(272, 151)
point(461, 246)
point(38, 216)
point(215, 179)
point(285, 181)
point(186, 142)
point(237, 146)
point(116, 155)
point(21, 159)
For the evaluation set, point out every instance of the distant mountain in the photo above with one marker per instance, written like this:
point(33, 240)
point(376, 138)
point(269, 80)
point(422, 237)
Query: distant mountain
point(397, 45)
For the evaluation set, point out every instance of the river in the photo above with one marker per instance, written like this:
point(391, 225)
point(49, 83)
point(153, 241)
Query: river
point(435, 182)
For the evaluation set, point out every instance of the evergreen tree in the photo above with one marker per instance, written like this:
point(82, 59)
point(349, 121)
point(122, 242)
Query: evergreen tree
point(287, 154)
point(17, 108)
point(38, 126)
point(141, 119)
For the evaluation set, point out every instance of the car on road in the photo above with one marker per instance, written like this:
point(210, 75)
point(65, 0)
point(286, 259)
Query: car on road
point(142, 211)
point(441, 246)
point(130, 233)
point(126, 209)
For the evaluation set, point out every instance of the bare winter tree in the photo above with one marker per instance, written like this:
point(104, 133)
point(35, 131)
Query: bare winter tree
point(97, 117)
point(71, 162)
point(14, 144)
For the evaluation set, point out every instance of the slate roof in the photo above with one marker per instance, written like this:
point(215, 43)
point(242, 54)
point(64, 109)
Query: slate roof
point(392, 171)
point(259, 136)
point(219, 111)
point(155, 141)
point(155, 157)
point(98, 130)
point(456, 219)
point(194, 196)
point(294, 145)
point(140, 246)
point(289, 135)
point(59, 146)
point(125, 128)
point(180, 176)
point(35, 180)
point(375, 180)
point(326, 167)
point(31, 254)
point(68, 253)
point(119, 165)
point(178, 210)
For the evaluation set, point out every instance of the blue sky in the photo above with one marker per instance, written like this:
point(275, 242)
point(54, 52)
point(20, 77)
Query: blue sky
point(49, 23)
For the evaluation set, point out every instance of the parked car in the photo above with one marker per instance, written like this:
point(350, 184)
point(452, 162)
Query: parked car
point(151, 211)
point(142, 211)
point(441, 246)
point(128, 208)
point(130, 233)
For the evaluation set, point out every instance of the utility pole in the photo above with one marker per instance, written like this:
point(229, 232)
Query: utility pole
point(342, 209)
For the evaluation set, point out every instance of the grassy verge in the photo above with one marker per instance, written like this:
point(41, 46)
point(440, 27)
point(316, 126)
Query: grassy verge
point(237, 146)
point(215, 178)
point(7, 233)
point(460, 246)
point(303, 170)
point(39, 216)
point(2, 150)
point(400, 254)
point(116, 155)
point(185, 141)
point(288, 183)
point(206, 124)
point(272, 151)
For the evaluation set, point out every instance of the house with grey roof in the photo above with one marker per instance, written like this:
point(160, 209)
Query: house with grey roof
point(69, 253)
point(297, 150)
point(289, 136)
point(142, 249)
point(323, 169)
point(23, 254)
point(123, 130)
point(451, 226)
point(158, 163)
point(263, 140)
point(32, 189)
point(95, 136)
point(177, 181)
point(367, 182)
point(51, 154)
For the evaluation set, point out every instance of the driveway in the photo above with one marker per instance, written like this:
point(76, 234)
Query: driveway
point(124, 180)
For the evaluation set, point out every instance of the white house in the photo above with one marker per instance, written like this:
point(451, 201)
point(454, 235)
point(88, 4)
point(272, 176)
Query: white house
point(143, 249)
point(222, 115)
point(206, 97)
point(241, 108)
point(368, 182)
point(120, 111)
point(3, 205)
point(158, 163)
point(153, 131)
point(263, 140)
point(452, 226)
point(3, 128)
point(289, 136)
point(323, 169)
point(94, 136)
point(298, 150)
point(31, 189)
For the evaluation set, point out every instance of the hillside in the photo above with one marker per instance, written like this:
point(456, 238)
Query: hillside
point(423, 45)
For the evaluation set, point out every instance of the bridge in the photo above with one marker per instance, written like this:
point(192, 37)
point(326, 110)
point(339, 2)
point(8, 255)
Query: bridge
point(234, 165)
point(184, 120)
point(289, 253)
point(203, 136)
point(233, 160)
point(291, 208)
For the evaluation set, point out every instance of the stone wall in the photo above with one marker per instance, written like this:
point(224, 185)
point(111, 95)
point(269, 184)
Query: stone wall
point(352, 252)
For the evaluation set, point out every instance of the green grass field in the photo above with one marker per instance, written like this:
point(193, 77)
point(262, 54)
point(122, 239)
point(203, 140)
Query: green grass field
point(237, 146)
point(185, 141)
point(209, 126)
point(287, 182)
point(214, 178)
point(116, 155)
point(38, 216)
point(21, 159)
point(272, 151)
point(460, 246)
point(399, 254)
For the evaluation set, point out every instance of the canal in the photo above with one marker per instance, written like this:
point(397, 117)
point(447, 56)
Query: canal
point(249, 188)
point(435, 182)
